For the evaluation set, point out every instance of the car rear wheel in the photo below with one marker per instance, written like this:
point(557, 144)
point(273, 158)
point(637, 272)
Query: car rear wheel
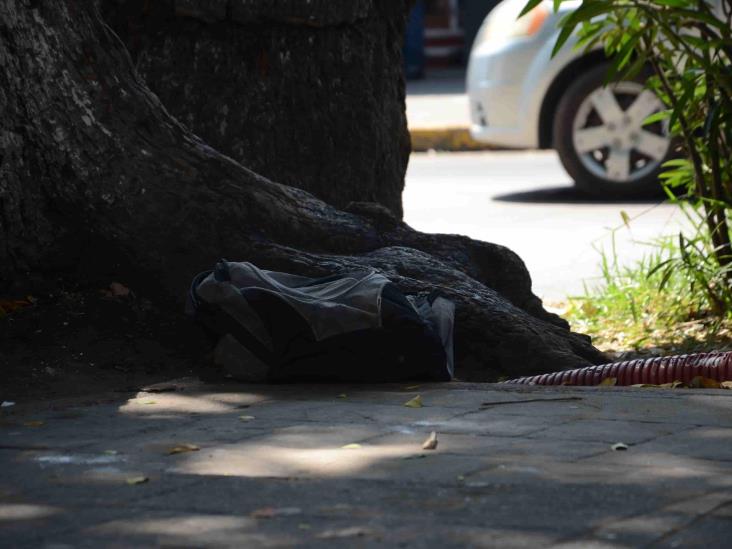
point(601, 140)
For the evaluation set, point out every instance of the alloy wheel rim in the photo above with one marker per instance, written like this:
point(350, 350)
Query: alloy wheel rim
point(609, 137)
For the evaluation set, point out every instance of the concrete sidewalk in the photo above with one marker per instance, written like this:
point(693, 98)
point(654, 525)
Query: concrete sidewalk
point(344, 466)
point(438, 112)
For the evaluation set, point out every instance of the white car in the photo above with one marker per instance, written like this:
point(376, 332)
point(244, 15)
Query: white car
point(520, 96)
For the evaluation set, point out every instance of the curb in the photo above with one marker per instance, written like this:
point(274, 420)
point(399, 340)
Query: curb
point(445, 139)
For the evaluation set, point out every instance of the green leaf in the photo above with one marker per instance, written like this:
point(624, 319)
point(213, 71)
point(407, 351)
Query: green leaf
point(681, 104)
point(704, 18)
point(564, 35)
point(711, 119)
point(625, 217)
point(680, 162)
point(530, 5)
point(635, 68)
point(673, 3)
point(585, 13)
point(657, 117)
point(657, 267)
point(622, 57)
point(665, 278)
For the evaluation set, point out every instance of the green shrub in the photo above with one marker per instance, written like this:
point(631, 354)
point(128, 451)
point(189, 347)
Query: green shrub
point(649, 306)
point(687, 45)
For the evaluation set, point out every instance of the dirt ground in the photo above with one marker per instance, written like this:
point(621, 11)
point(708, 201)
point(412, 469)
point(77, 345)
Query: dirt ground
point(79, 341)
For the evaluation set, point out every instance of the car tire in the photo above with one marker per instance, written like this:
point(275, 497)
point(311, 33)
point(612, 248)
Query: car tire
point(601, 141)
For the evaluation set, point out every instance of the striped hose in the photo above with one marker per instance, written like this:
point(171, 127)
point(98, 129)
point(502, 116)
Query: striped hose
point(654, 371)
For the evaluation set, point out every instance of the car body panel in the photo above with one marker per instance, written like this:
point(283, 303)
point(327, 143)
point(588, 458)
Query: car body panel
point(507, 81)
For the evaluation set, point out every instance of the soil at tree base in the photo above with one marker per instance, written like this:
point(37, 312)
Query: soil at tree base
point(79, 341)
point(163, 212)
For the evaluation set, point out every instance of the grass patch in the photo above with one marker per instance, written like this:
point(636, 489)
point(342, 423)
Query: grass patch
point(649, 309)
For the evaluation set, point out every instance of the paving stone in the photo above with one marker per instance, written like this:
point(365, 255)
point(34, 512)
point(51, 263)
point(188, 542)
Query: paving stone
point(675, 483)
point(658, 526)
point(53, 478)
point(104, 527)
point(662, 456)
point(698, 442)
point(709, 532)
point(495, 449)
point(488, 423)
point(640, 531)
point(586, 544)
point(724, 511)
point(607, 431)
point(532, 468)
point(293, 452)
point(477, 536)
point(188, 403)
point(678, 407)
point(356, 412)
point(74, 428)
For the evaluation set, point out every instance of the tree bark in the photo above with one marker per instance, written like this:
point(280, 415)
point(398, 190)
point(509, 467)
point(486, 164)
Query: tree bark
point(309, 94)
point(98, 178)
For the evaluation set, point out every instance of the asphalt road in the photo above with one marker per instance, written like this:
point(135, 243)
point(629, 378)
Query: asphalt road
point(525, 200)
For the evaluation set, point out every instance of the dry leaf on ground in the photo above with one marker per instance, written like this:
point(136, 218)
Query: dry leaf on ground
point(118, 290)
point(726, 385)
point(609, 382)
point(160, 389)
point(264, 513)
point(182, 448)
point(431, 442)
point(272, 512)
point(700, 382)
point(137, 480)
point(34, 423)
point(415, 402)
point(352, 446)
point(352, 532)
point(9, 305)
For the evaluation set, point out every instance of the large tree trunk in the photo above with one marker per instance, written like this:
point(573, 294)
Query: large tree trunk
point(98, 177)
point(306, 94)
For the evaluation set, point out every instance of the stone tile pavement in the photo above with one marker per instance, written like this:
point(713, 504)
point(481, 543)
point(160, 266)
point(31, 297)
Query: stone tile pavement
point(343, 466)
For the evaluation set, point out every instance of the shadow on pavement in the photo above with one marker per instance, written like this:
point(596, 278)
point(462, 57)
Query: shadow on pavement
point(566, 195)
point(343, 464)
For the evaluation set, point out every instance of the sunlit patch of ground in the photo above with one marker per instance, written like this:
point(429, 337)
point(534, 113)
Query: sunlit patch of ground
point(623, 334)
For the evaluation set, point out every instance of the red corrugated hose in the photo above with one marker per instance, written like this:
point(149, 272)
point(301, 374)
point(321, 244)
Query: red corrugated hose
point(652, 371)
